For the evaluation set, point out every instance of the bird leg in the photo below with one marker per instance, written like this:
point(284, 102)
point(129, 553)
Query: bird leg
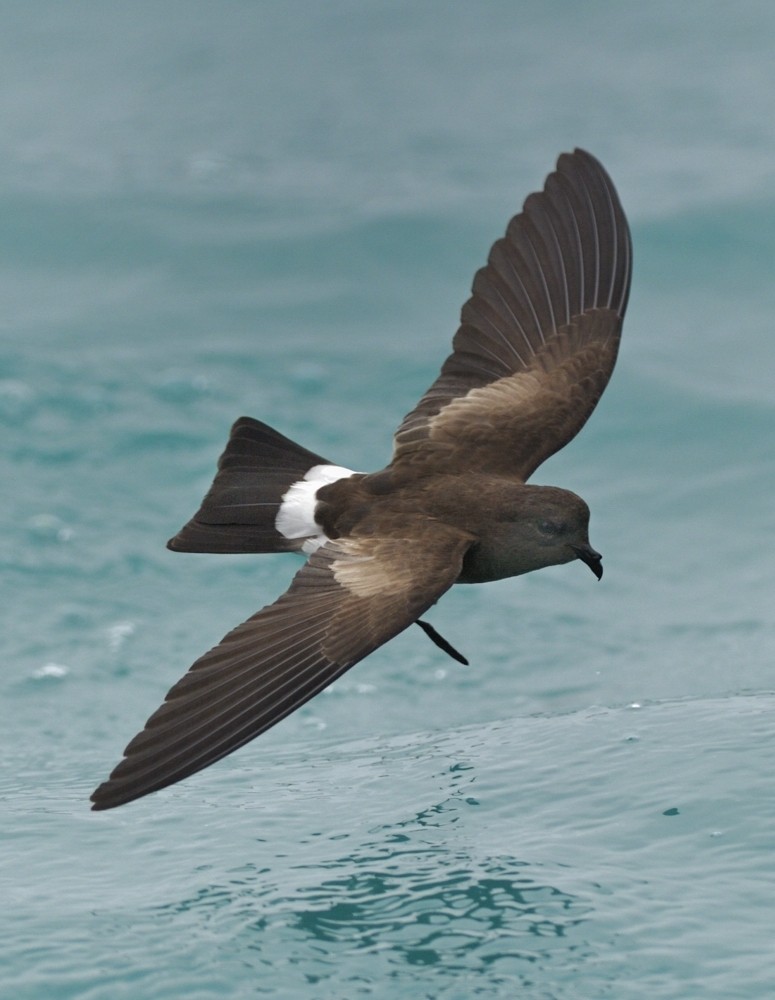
point(441, 642)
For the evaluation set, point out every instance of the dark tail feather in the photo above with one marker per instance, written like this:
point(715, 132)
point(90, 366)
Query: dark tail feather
point(238, 514)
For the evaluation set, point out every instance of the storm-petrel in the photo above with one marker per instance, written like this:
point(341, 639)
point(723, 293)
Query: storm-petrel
point(535, 349)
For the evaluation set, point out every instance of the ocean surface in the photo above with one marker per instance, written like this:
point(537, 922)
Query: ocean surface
point(277, 210)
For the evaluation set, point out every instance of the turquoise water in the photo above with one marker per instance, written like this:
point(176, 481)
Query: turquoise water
point(277, 210)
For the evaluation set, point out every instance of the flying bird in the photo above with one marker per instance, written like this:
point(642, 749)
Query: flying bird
point(536, 346)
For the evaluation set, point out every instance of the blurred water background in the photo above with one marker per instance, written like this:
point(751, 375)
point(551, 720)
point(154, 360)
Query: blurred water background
point(277, 209)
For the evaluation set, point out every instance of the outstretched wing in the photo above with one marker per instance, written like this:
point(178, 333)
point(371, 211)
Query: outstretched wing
point(539, 336)
point(349, 598)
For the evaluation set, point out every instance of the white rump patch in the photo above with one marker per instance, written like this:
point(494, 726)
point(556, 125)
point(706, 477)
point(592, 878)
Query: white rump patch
point(296, 516)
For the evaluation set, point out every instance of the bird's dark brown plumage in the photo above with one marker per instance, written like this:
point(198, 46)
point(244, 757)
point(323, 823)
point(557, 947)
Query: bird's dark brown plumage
point(536, 346)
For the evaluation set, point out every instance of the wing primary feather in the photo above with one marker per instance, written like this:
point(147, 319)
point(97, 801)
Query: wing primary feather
point(543, 217)
point(224, 652)
point(513, 316)
point(229, 727)
point(227, 675)
point(542, 275)
point(614, 247)
point(569, 212)
point(488, 293)
point(597, 190)
point(596, 263)
point(161, 769)
point(568, 170)
point(528, 299)
point(482, 347)
point(627, 247)
point(485, 320)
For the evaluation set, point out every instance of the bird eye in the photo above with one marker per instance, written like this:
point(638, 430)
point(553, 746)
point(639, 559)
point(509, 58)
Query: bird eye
point(550, 527)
